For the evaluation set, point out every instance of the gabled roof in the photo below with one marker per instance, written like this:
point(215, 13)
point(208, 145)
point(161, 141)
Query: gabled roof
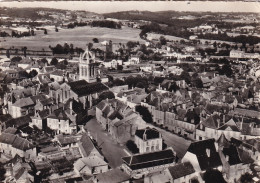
point(143, 159)
point(233, 156)
point(148, 133)
point(180, 170)
point(5, 117)
point(24, 102)
point(15, 141)
point(87, 144)
point(18, 122)
point(222, 141)
point(58, 114)
point(206, 153)
point(83, 88)
point(114, 176)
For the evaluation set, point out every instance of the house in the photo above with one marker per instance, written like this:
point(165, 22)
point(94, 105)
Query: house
point(115, 175)
point(18, 123)
point(179, 173)
point(215, 125)
point(11, 144)
point(62, 122)
point(57, 75)
point(142, 164)
point(20, 171)
point(118, 119)
point(133, 60)
point(233, 159)
point(87, 147)
point(148, 140)
point(3, 119)
point(203, 155)
point(40, 119)
point(112, 64)
point(132, 97)
point(90, 165)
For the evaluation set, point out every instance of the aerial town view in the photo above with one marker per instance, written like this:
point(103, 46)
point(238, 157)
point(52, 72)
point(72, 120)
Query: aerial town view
point(129, 95)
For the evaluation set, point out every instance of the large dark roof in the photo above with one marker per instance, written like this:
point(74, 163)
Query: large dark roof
point(150, 133)
point(181, 170)
point(233, 156)
point(82, 88)
point(18, 122)
point(149, 157)
point(205, 160)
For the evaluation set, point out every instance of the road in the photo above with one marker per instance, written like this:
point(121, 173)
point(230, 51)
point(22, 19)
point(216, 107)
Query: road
point(179, 144)
point(112, 151)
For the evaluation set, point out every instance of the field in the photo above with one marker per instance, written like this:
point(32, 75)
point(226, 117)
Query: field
point(79, 37)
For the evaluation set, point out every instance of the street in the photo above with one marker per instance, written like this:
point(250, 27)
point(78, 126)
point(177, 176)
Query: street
point(111, 150)
point(178, 144)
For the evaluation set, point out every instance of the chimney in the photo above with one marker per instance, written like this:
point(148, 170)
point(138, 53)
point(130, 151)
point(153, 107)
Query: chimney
point(242, 121)
point(227, 158)
point(208, 152)
point(218, 121)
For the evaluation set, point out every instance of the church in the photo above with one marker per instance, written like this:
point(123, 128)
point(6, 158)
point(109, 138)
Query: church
point(87, 88)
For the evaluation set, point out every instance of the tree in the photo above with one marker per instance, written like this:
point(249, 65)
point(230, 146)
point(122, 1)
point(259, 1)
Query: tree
point(33, 73)
point(103, 96)
point(226, 70)
point(213, 176)
point(119, 67)
point(24, 49)
point(95, 40)
point(163, 41)
point(45, 31)
point(118, 82)
point(145, 113)
point(130, 44)
point(246, 178)
point(197, 83)
point(90, 45)
point(2, 172)
point(8, 53)
point(54, 61)
point(132, 146)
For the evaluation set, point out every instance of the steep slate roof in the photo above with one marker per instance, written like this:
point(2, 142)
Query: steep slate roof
point(58, 114)
point(87, 144)
point(181, 170)
point(222, 141)
point(18, 122)
point(5, 117)
point(83, 88)
point(114, 176)
point(200, 150)
point(24, 102)
point(140, 159)
point(233, 155)
point(15, 141)
point(150, 133)
point(244, 156)
point(64, 140)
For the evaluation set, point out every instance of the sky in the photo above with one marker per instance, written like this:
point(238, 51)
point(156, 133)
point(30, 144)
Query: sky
point(114, 6)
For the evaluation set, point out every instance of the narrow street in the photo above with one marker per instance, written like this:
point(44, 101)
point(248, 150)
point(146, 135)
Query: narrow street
point(179, 144)
point(111, 150)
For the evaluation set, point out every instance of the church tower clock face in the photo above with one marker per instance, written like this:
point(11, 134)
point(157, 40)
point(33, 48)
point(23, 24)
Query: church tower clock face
point(87, 66)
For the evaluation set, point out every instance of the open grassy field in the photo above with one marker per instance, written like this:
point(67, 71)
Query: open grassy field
point(79, 37)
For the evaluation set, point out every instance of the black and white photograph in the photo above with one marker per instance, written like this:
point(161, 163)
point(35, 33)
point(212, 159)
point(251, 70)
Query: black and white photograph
point(129, 91)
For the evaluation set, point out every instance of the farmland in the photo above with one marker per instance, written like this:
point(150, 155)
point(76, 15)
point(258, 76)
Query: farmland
point(79, 37)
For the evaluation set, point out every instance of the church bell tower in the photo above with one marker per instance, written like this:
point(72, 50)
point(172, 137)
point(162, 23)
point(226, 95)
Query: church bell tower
point(88, 67)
